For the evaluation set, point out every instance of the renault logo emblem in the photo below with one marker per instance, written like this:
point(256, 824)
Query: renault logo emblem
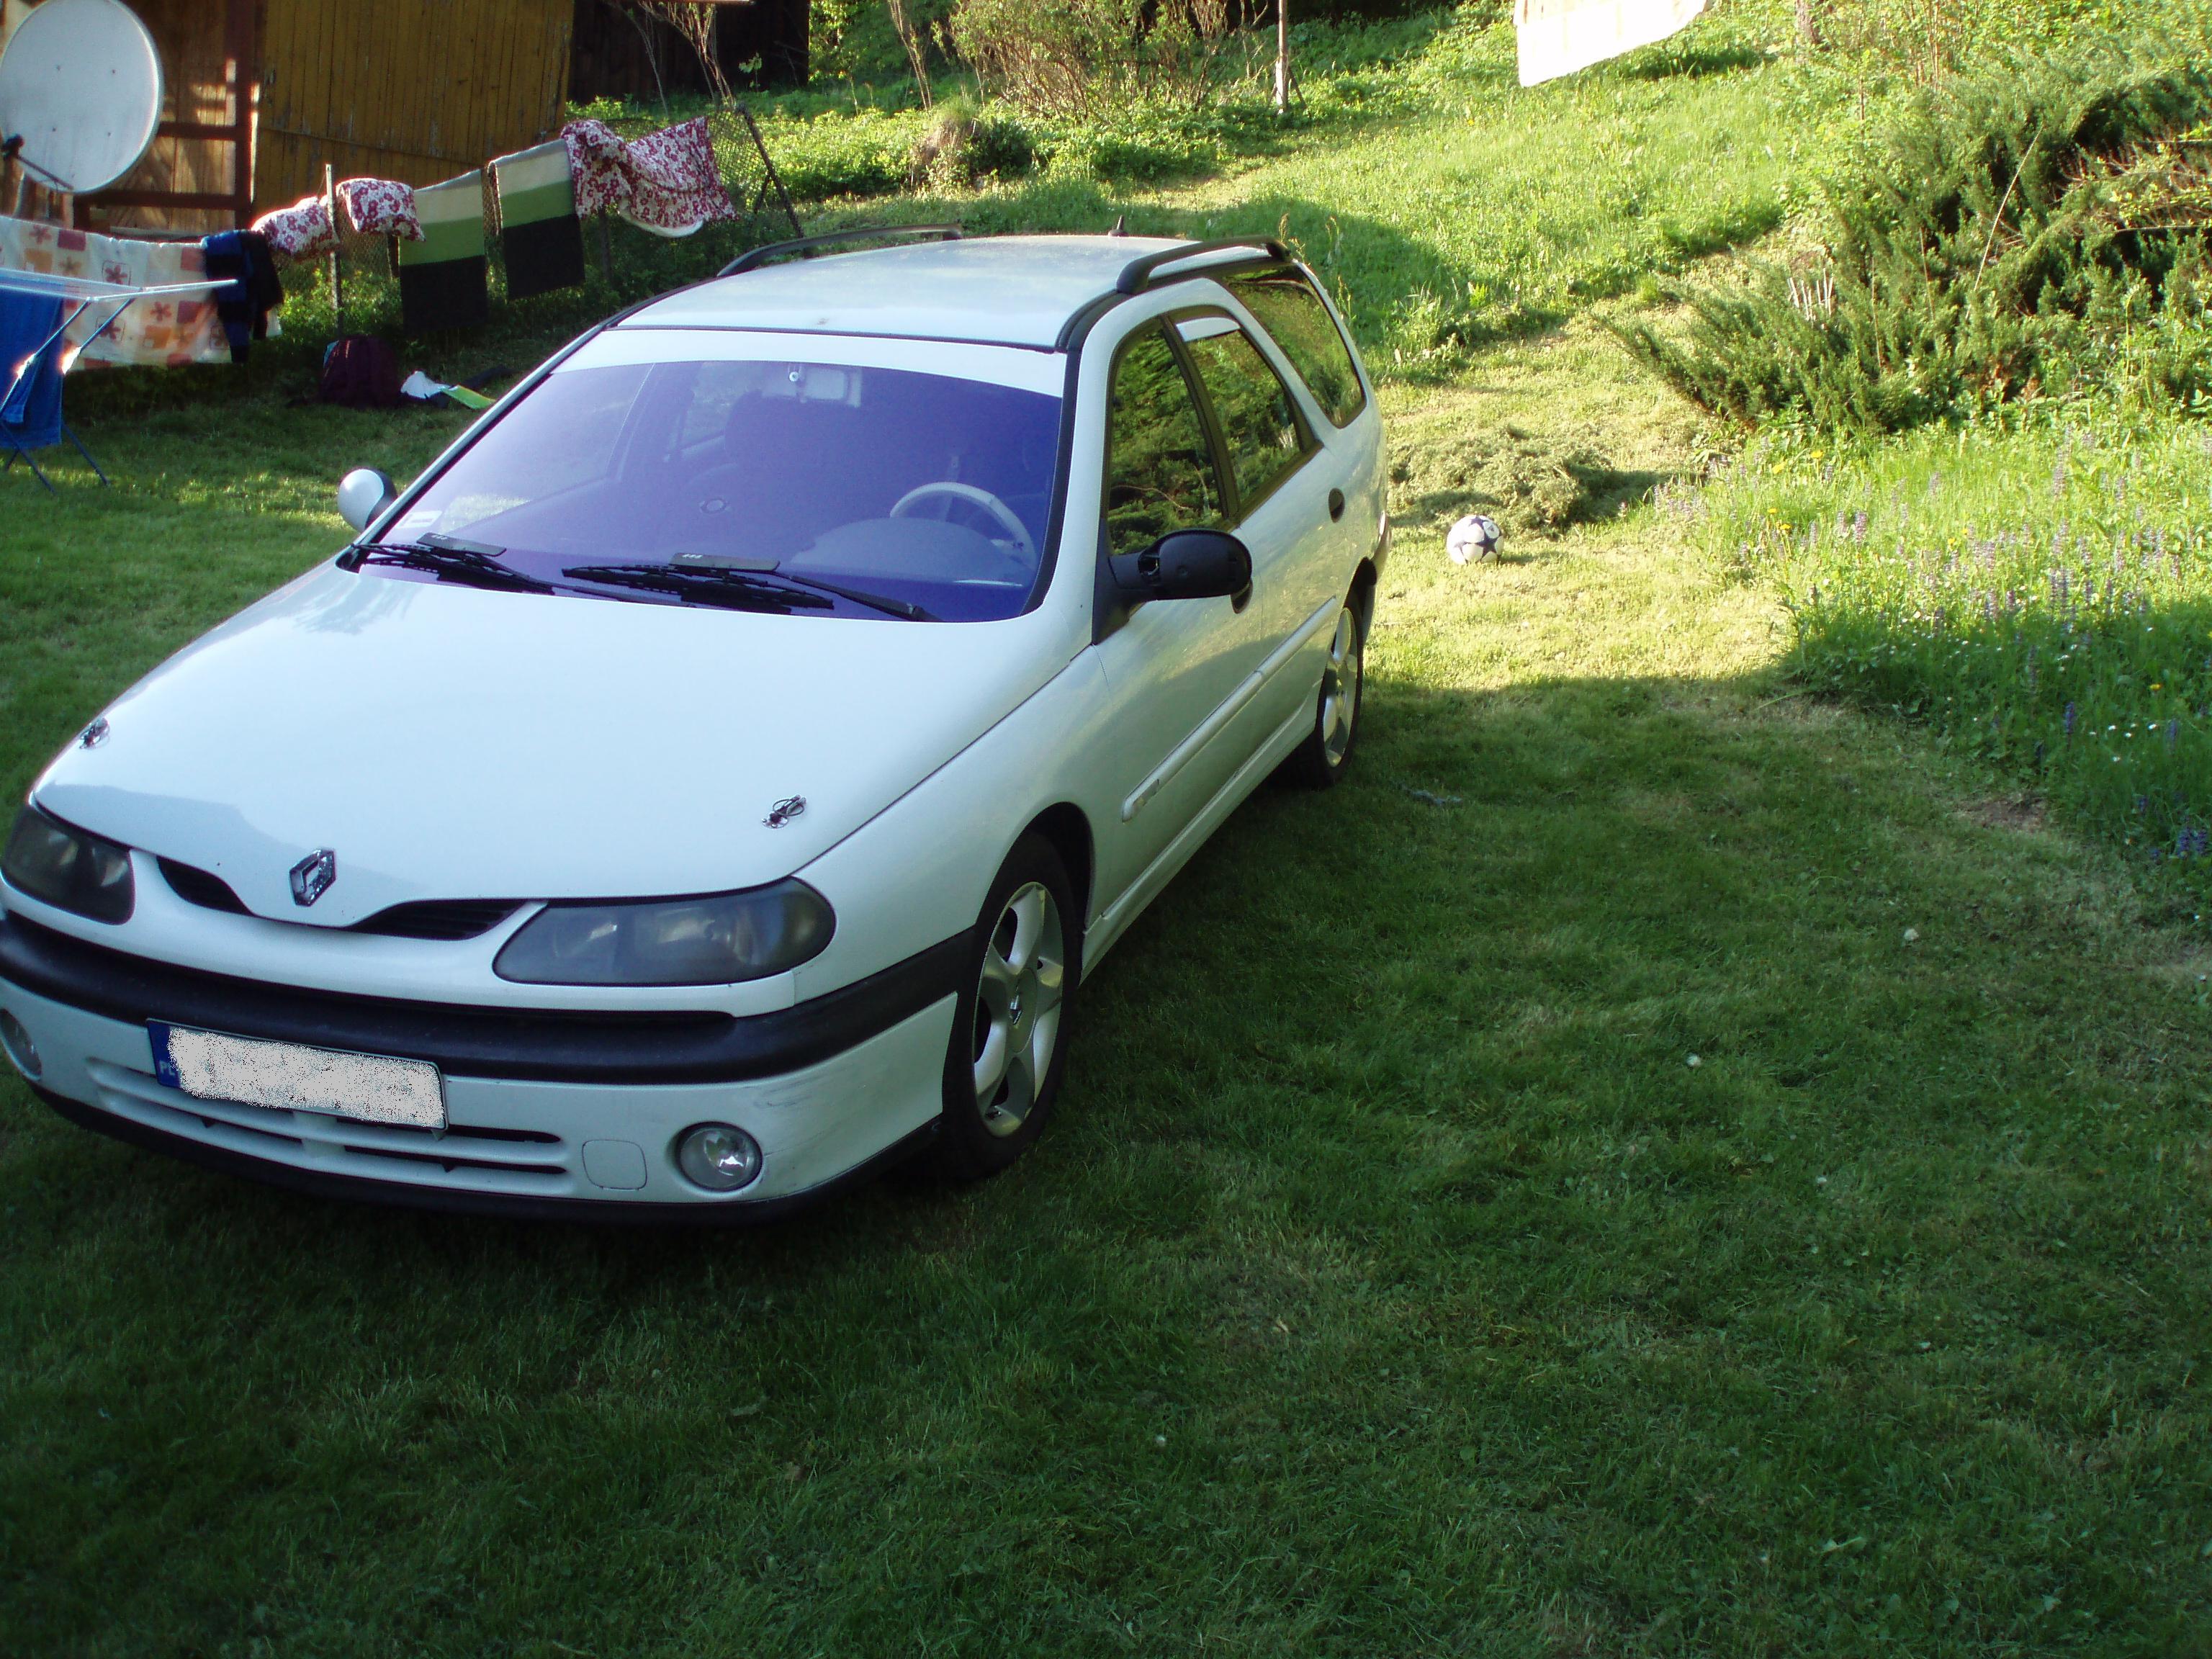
point(312, 875)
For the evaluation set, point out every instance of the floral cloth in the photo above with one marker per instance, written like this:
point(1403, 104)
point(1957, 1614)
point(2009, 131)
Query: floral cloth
point(381, 207)
point(166, 331)
point(668, 182)
point(301, 231)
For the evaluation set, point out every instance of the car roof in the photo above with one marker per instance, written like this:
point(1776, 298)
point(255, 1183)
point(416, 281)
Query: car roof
point(997, 290)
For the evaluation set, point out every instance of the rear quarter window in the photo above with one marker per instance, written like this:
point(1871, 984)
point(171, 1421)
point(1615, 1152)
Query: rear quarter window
point(1295, 317)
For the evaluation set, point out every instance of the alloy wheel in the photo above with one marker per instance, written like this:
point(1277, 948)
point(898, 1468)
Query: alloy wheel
point(1018, 1003)
point(1339, 688)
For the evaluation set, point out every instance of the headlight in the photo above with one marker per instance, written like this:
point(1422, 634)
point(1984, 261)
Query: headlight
point(694, 941)
point(68, 868)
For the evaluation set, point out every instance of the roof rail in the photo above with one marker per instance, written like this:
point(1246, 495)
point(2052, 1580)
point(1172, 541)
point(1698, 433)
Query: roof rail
point(1138, 275)
point(754, 259)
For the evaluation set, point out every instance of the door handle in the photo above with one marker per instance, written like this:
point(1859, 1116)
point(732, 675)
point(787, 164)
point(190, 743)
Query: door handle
point(1335, 503)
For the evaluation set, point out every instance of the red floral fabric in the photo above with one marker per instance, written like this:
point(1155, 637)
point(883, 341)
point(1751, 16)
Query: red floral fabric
point(668, 182)
point(301, 231)
point(379, 206)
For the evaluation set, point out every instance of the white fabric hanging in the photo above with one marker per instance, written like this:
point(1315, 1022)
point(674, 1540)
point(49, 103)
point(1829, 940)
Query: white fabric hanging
point(1557, 37)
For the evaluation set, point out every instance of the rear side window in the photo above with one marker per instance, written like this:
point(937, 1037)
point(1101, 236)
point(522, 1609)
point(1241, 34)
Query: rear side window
point(1260, 426)
point(1295, 317)
point(1160, 467)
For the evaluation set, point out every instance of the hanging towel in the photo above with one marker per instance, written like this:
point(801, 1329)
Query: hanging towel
point(598, 166)
point(166, 332)
point(539, 236)
point(32, 417)
point(441, 277)
point(668, 183)
point(675, 187)
point(301, 231)
point(1557, 37)
point(243, 306)
point(381, 207)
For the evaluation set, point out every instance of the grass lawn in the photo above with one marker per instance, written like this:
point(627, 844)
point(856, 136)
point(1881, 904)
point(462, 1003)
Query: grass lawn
point(1655, 1163)
point(1392, 1283)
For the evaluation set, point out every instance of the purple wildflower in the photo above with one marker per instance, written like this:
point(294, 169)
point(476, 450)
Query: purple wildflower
point(2172, 734)
point(2069, 719)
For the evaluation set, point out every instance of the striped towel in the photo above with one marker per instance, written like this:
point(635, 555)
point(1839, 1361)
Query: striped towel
point(441, 277)
point(539, 235)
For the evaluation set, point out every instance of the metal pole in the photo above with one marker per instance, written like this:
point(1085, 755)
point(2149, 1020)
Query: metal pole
point(760, 145)
point(1282, 57)
point(338, 291)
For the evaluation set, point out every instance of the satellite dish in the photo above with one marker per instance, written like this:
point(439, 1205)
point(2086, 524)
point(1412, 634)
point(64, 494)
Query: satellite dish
point(79, 93)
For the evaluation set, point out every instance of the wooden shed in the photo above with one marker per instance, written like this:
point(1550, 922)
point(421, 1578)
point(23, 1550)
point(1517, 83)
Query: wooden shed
point(262, 94)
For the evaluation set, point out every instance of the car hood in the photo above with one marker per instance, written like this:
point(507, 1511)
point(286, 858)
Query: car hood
point(450, 742)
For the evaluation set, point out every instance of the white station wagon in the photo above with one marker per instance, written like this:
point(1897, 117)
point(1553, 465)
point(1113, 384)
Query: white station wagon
point(715, 774)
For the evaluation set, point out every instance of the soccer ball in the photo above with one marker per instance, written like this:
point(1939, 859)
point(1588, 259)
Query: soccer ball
point(1473, 539)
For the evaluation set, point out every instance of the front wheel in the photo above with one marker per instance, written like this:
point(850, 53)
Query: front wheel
point(1320, 759)
point(1002, 1069)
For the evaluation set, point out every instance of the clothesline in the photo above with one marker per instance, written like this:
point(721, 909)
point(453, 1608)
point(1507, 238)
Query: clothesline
point(669, 183)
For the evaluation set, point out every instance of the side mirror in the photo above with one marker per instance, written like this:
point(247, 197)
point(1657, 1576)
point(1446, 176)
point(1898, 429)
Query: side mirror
point(1186, 564)
point(362, 494)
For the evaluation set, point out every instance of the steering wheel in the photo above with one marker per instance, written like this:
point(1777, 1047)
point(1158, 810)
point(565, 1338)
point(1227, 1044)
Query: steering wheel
point(974, 496)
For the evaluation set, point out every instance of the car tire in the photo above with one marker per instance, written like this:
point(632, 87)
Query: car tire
point(1319, 761)
point(1009, 1046)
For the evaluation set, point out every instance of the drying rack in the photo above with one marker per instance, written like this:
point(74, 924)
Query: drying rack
point(81, 294)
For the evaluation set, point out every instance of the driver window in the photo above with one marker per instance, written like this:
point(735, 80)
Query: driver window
point(1159, 466)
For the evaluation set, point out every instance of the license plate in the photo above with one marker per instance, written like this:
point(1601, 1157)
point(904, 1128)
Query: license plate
point(293, 1077)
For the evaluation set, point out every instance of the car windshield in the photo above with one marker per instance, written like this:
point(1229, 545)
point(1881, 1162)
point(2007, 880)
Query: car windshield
point(930, 491)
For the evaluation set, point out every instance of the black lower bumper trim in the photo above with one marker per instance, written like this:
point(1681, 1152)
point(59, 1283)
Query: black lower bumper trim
point(546, 1045)
point(512, 1206)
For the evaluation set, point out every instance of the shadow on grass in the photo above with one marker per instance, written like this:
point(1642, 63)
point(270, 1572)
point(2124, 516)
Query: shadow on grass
point(1383, 1188)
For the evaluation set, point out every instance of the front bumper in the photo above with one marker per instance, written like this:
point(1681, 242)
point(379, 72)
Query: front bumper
point(547, 1115)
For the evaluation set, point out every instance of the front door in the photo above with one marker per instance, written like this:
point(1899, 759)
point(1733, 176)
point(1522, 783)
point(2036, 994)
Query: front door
point(1169, 663)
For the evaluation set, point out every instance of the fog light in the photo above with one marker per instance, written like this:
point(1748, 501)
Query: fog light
point(719, 1157)
point(25, 1053)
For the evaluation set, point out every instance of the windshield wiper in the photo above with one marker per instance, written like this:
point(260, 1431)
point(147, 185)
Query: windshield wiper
point(706, 574)
point(734, 590)
point(719, 564)
point(476, 563)
point(862, 595)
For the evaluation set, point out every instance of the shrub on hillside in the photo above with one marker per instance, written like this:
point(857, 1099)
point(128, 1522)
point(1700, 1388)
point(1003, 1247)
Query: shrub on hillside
point(1989, 250)
point(1086, 57)
point(1930, 39)
point(961, 147)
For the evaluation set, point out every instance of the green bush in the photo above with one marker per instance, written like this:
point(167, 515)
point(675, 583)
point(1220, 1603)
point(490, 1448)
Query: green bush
point(1930, 39)
point(1086, 57)
point(1980, 254)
